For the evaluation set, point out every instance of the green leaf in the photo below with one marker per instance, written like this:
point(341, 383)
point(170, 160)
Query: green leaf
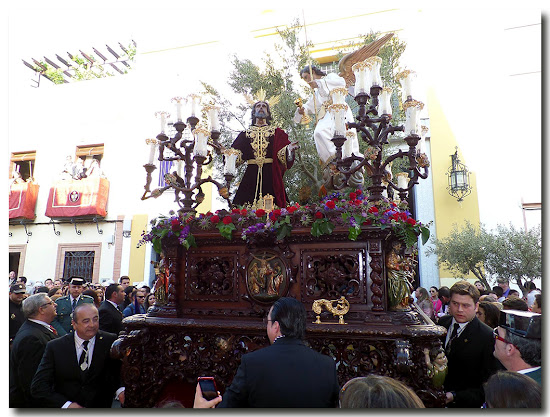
point(425, 234)
point(226, 230)
point(354, 233)
point(283, 230)
point(157, 246)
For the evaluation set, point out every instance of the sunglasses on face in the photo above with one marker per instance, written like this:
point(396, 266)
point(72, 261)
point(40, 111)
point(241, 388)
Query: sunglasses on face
point(498, 337)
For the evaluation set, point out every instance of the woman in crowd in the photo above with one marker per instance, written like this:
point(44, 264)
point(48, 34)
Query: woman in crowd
point(508, 389)
point(55, 293)
point(376, 391)
point(434, 296)
point(488, 313)
point(92, 294)
point(149, 300)
point(424, 302)
point(536, 308)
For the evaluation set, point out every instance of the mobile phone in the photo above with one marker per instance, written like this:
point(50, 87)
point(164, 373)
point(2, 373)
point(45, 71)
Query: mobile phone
point(208, 387)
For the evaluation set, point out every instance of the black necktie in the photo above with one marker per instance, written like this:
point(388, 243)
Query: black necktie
point(82, 361)
point(74, 303)
point(454, 334)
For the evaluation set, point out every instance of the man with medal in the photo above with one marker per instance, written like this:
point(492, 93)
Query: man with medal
point(76, 370)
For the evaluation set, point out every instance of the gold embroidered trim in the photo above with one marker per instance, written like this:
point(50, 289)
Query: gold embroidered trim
point(259, 136)
point(281, 155)
point(265, 161)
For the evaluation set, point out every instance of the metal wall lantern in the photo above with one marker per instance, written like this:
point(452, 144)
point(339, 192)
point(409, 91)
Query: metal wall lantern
point(459, 178)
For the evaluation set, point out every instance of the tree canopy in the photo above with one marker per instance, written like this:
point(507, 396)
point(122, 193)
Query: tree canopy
point(507, 252)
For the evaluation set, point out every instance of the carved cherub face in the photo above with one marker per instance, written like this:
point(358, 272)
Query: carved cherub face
point(441, 359)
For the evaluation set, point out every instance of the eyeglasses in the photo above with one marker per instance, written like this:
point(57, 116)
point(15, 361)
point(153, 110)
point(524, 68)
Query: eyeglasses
point(266, 320)
point(140, 296)
point(498, 337)
point(48, 304)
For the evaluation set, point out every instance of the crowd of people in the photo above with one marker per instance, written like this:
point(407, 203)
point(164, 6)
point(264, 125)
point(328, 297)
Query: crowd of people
point(61, 336)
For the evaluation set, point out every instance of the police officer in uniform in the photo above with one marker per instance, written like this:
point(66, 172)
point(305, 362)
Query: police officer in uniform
point(67, 304)
point(17, 318)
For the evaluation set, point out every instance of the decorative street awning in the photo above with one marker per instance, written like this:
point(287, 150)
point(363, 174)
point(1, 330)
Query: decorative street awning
point(73, 198)
point(23, 200)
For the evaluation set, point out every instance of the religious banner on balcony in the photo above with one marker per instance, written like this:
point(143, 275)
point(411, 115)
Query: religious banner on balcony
point(23, 200)
point(84, 197)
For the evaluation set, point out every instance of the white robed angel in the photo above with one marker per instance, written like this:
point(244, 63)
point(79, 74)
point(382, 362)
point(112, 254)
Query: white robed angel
point(317, 104)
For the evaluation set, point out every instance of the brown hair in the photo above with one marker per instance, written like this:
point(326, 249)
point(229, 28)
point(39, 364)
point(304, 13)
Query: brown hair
point(376, 391)
point(508, 389)
point(492, 313)
point(465, 288)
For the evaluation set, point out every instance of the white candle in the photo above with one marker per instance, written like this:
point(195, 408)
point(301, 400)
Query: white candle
point(412, 113)
point(348, 144)
point(201, 140)
point(338, 112)
point(230, 162)
point(339, 95)
point(402, 180)
point(152, 150)
point(213, 118)
point(195, 100)
point(362, 76)
point(376, 63)
point(179, 164)
point(162, 115)
point(384, 101)
point(406, 78)
point(385, 192)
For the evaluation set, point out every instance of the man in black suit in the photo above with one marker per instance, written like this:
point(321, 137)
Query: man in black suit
point(28, 347)
point(286, 374)
point(76, 370)
point(110, 317)
point(469, 347)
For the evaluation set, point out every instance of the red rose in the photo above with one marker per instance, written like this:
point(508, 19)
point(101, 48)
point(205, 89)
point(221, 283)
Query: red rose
point(227, 220)
point(291, 209)
point(260, 213)
point(235, 211)
point(373, 210)
point(215, 219)
point(411, 221)
point(209, 213)
point(403, 216)
point(331, 204)
point(395, 217)
point(275, 214)
point(357, 202)
point(358, 192)
point(367, 222)
point(319, 215)
point(243, 212)
point(176, 226)
point(352, 196)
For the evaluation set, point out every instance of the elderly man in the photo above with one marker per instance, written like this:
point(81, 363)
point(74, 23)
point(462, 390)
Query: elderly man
point(67, 304)
point(17, 318)
point(28, 347)
point(76, 370)
point(469, 346)
point(268, 154)
point(286, 374)
point(518, 342)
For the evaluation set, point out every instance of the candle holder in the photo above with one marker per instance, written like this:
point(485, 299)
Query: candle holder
point(373, 123)
point(192, 154)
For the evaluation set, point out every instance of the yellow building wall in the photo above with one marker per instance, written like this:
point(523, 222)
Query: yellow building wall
point(137, 255)
point(448, 211)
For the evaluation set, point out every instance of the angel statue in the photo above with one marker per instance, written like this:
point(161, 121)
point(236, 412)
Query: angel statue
point(323, 85)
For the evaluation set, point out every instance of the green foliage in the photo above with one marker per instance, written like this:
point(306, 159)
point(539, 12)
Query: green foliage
point(508, 253)
point(226, 230)
point(464, 251)
point(516, 254)
point(322, 227)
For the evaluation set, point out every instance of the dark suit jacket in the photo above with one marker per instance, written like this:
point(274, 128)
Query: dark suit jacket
point(110, 318)
point(27, 350)
point(62, 321)
point(285, 374)
point(17, 318)
point(59, 378)
point(471, 363)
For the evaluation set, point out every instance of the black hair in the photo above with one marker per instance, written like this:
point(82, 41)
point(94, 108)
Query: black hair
point(112, 288)
point(314, 69)
point(291, 315)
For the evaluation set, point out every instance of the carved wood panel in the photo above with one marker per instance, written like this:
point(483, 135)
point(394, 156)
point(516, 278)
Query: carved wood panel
point(212, 276)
